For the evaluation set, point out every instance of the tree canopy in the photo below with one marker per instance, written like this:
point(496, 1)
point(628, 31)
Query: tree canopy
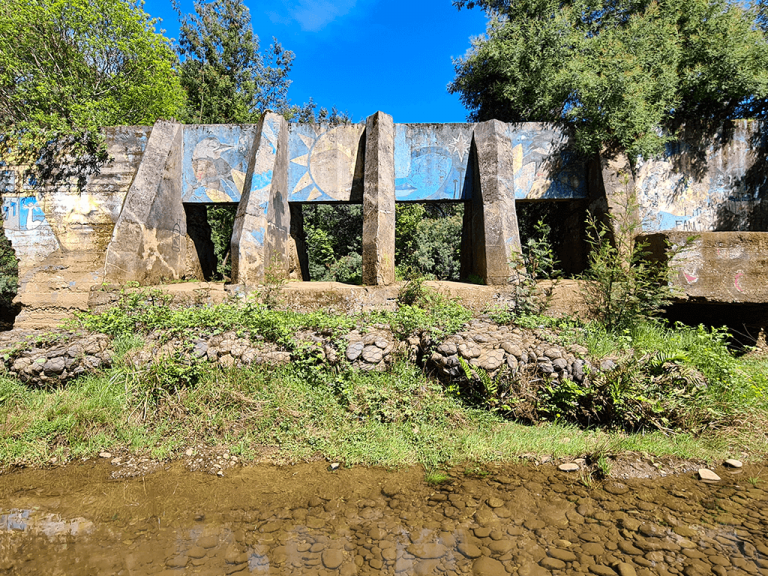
point(624, 74)
point(70, 67)
point(227, 78)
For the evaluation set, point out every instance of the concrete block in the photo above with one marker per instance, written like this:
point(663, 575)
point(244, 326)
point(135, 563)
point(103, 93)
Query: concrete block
point(379, 201)
point(149, 243)
point(261, 236)
point(490, 238)
point(716, 267)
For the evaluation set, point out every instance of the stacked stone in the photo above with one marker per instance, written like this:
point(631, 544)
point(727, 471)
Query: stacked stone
point(493, 348)
point(228, 349)
point(61, 362)
point(372, 350)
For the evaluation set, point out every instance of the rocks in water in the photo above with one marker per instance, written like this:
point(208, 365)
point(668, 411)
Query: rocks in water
point(708, 476)
point(332, 558)
point(485, 566)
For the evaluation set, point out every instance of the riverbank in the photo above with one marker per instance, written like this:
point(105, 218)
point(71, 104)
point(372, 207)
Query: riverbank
point(421, 385)
point(498, 520)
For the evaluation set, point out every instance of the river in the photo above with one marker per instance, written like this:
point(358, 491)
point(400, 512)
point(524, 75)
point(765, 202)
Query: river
point(307, 520)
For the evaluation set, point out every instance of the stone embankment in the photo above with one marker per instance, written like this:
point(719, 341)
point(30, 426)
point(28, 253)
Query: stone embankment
point(44, 358)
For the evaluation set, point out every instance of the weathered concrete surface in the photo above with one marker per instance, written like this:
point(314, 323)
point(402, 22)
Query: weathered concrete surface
point(261, 237)
point(614, 201)
point(379, 201)
point(490, 237)
point(60, 234)
point(716, 267)
point(326, 163)
point(707, 181)
point(149, 242)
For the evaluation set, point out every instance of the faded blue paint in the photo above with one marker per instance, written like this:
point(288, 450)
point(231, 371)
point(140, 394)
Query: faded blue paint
point(544, 164)
point(258, 235)
point(23, 213)
point(325, 163)
point(432, 162)
point(215, 162)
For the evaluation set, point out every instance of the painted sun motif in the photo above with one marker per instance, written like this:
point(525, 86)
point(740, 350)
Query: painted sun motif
point(459, 145)
point(327, 166)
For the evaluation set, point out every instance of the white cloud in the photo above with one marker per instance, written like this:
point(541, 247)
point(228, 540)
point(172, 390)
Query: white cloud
point(313, 15)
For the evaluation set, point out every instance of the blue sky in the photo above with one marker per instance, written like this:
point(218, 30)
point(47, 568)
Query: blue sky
point(364, 55)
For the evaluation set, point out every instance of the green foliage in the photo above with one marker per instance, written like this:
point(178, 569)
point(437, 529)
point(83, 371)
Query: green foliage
point(615, 72)
point(428, 240)
point(623, 285)
point(537, 261)
point(221, 218)
point(227, 78)
point(9, 270)
point(334, 242)
point(144, 311)
point(69, 68)
point(422, 309)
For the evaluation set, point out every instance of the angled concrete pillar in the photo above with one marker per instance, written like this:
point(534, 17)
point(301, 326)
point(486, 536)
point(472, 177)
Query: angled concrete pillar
point(379, 201)
point(261, 235)
point(490, 237)
point(612, 198)
point(149, 242)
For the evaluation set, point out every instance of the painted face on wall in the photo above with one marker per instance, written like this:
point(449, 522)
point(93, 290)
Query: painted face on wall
point(81, 221)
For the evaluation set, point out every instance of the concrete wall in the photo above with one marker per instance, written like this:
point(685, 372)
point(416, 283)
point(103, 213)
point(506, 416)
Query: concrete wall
point(707, 182)
point(703, 183)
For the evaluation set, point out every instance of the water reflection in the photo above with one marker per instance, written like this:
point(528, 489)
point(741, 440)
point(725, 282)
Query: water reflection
point(304, 520)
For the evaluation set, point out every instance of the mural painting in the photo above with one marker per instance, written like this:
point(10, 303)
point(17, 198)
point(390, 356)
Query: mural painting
point(27, 228)
point(680, 191)
point(215, 162)
point(326, 163)
point(432, 162)
point(544, 167)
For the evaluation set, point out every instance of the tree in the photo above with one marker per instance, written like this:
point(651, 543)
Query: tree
point(226, 78)
point(618, 71)
point(71, 67)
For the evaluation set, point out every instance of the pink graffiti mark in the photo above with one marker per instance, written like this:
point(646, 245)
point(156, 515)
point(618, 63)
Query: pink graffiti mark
point(690, 279)
point(736, 280)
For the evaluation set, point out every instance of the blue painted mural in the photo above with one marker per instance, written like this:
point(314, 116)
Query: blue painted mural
point(326, 163)
point(544, 166)
point(698, 188)
point(432, 162)
point(215, 162)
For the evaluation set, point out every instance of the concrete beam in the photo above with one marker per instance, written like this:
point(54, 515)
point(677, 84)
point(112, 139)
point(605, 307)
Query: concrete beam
point(261, 235)
point(149, 242)
point(490, 237)
point(379, 201)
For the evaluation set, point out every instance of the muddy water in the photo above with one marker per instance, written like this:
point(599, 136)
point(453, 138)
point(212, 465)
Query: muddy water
point(523, 520)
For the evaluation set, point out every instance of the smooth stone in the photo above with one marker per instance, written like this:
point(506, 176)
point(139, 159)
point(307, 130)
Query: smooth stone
point(532, 570)
point(105, 455)
point(470, 550)
point(482, 532)
point(616, 488)
point(495, 502)
point(625, 569)
point(485, 566)
point(208, 542)
point(731, 463)
point(602, 570)
point(177, 562)
point(552, 564)
point(332, 558)
point(569, 467)
point(427, 551)
point(708, 476)
point(564, 555)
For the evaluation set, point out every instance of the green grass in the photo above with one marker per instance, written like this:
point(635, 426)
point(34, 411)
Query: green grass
point(401, 417)
point(393, 419)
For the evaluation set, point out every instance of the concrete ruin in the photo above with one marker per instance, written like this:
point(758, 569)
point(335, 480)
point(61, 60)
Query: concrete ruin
point(138, 219)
